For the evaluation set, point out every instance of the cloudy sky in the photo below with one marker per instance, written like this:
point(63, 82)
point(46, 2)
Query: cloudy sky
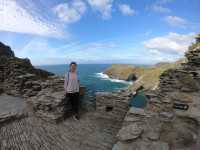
point(99, 31)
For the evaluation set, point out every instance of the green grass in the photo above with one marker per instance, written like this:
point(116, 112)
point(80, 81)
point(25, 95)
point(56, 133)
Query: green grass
point(149, 76)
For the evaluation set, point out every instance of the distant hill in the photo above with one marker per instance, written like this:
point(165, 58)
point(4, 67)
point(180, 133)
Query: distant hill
point(146, 76)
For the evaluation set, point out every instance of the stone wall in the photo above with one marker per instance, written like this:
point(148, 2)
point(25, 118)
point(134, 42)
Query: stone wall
point(113, 105)
point(19, 77)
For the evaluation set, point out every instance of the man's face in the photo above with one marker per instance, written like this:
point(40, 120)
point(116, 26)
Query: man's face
point(73, 67)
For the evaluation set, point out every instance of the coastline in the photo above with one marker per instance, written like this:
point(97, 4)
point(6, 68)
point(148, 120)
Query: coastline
point(104, 76)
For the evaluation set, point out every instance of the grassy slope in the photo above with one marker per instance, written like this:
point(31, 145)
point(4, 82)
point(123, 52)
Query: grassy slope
point(119, 71)
point(148, 76)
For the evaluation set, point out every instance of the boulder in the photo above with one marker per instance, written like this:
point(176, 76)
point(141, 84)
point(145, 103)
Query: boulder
point(129, 132)
point(141, 145)
point(49, 104)
point(12, 108)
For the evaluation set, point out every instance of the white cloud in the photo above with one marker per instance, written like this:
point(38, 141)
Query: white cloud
point(148, 33)
point(172, 44)
point(15, 18)
point(103, 6)
point(126, 10)
point(176, 21)
point(70, 12)
point(159, 6)
point(71, 51)
point(35, 47)
point(100, 46)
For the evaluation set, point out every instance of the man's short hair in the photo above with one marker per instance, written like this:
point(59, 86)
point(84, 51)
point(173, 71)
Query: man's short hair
point(73, 62)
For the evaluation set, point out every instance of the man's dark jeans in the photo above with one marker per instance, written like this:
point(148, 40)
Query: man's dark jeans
point(74, 100)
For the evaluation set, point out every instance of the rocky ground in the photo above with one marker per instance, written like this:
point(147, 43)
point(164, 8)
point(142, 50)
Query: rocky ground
point(11, 108)
point(96, 130)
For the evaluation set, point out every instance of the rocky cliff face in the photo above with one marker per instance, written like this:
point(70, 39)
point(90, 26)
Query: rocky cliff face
point(6, 51)
point(18, 76)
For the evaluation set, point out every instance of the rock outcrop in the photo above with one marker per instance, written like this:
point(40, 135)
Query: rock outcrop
point(6, 51)
point(17, 76)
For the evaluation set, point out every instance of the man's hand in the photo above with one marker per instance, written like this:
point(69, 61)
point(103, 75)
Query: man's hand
point(79, 82)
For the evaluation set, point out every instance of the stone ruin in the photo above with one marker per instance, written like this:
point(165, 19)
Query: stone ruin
point(161, 126)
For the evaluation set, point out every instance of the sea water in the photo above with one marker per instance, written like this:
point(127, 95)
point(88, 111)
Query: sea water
point(91, 76)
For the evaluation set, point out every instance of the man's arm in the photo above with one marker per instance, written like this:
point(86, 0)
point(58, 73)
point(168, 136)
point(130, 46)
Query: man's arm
point(66, 81)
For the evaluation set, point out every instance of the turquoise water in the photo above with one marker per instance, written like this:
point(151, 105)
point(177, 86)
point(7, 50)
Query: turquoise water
point(91, 76)
point(139, 100)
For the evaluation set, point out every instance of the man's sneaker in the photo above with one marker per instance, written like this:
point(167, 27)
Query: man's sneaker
point(76, 117)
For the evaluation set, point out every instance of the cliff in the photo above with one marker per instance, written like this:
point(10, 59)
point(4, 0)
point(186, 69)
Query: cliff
point(148, 77)
point(120, 71)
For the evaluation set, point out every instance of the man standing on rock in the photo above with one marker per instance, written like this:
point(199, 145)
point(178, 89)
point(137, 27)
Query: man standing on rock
point(71, 86)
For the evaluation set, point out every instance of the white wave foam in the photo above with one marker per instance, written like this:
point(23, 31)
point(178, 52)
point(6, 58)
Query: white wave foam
point(106, 77)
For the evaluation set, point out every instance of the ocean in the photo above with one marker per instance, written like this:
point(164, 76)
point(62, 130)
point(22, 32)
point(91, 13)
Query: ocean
point(91, 76)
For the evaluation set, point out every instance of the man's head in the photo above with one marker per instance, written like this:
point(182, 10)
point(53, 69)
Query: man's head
point(73, 66)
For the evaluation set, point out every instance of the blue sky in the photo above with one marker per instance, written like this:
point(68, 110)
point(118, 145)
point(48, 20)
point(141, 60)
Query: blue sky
point(99, 31)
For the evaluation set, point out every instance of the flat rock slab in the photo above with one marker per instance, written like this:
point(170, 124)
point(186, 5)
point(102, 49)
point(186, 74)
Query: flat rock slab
point(92, 132)
point(31, 133)
point(11, 108)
